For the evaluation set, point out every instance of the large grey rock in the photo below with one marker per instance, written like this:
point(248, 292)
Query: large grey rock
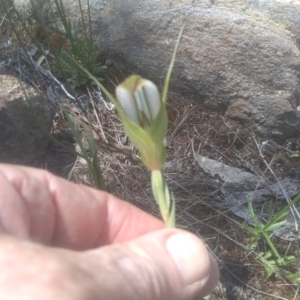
point(22, 140)
point(240, 57)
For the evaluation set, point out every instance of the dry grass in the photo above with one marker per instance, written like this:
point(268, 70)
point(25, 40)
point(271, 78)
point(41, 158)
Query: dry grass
point(201, 207)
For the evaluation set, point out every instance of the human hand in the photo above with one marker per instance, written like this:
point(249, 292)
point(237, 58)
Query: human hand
point(59, 240)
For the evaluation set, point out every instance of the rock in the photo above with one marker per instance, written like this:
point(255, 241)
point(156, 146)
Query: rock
point(21, 138)
point(238, 57)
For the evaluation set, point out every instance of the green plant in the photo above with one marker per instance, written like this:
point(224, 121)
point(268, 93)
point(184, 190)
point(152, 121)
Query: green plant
point(90, 156)
point(144, 117)
point(272, 261)
point(80, 51)
point(147, 133)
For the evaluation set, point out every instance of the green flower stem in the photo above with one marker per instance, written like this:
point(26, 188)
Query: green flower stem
point(163, 198)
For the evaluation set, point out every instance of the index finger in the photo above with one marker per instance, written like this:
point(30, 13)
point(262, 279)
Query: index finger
point(37, 205)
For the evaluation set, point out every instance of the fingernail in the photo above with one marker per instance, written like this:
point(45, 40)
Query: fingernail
point(190, 256)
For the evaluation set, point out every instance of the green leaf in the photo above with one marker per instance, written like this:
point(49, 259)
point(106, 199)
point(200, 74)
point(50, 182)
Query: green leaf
point(75, 133)
point(158, 131)
point(171, 222)
point(150, 151)
point(253, 216)
point(169, 73)
point(163, 199)
point(294, 277)
point(274, 226)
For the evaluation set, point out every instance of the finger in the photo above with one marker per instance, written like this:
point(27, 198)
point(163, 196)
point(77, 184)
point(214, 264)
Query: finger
point(166, 264)
point(36, 204)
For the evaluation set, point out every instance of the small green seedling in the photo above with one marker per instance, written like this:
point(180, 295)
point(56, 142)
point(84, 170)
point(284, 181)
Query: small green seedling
point(272, 261)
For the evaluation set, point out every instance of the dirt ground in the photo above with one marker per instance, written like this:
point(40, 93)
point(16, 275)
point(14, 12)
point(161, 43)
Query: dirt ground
point(200, 203)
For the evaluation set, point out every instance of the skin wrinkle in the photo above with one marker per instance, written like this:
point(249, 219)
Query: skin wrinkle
point(101, 216)
point(141, 282)
point(123, 226)
point(35, 210)
point(105, 224)
point(156, 281)
point(124, 260)
point(81, 273)
point(109, 218)
point(106, 219)
point(128, 265)
point(82, 215)
point(52, 198)
point(61, 264)
point(51, 184)
point(137, 259)
point(125, 223)
point(102, 208)
point(39, 208)
point(106, 265)
point(159, 282)
point(20, 227)
point(63, 221)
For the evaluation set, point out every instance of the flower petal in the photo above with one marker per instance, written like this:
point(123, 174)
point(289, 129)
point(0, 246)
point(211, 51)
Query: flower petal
point(127, 101)
point(147, 99)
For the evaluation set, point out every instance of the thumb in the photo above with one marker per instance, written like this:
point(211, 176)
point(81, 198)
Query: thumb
point(165, 264)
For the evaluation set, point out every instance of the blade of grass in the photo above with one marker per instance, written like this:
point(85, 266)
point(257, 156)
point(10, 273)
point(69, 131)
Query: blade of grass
point(169, 73)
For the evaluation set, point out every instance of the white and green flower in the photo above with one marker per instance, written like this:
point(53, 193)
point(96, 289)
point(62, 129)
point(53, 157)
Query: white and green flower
point(144, 117)
point(139, 99)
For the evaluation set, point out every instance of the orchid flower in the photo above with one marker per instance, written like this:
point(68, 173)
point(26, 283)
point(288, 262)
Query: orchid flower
point(145, 120)
point(139, 99)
